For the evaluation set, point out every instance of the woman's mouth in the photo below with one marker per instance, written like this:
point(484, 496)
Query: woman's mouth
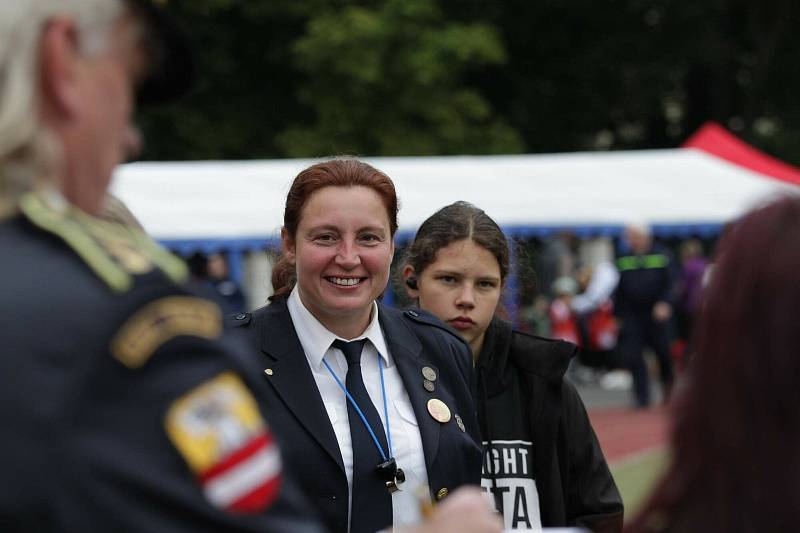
point(461, 322)
point(344, 282)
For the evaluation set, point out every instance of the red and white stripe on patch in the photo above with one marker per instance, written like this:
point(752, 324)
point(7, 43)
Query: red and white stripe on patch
point(218, 429)
point(248, 479)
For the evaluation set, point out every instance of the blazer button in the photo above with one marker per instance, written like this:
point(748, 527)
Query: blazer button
point(441, 494)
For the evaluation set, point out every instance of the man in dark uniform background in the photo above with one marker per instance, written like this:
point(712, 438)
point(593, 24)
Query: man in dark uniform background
point(643, 302)
point(125, 406)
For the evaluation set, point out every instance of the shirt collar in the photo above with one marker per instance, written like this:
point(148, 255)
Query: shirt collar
point(316, 339)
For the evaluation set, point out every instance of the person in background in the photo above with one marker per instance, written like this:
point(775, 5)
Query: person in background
point(230, 293)
point(542, 462)
point(125, 407)
point(690, 286)
point(558, 259)
point(643, 302)
point(367, 399)
point(736, 416)
point(563, 323)
point(593, 308)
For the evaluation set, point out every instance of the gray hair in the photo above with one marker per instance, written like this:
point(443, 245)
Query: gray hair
point(28, 151)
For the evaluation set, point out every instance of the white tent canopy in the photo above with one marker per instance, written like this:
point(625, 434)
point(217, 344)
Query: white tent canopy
point(230, 202)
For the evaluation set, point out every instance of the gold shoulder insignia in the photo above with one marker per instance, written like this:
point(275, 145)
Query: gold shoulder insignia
point(113, 251)
point(218, 430)
point(163, 320)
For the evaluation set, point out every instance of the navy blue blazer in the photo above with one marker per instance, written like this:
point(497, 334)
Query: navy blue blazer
point(295, 410)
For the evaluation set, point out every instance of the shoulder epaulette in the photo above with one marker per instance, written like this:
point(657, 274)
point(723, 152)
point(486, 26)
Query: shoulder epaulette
point(422, 317)
point(115, 253)
point(161, 321)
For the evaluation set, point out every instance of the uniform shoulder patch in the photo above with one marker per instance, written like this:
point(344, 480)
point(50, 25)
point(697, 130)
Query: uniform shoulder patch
point(218, 430)
point(114, 252)
point(161, 321)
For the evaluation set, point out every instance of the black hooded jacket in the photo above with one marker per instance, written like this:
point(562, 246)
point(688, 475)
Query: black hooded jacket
point(534, 425)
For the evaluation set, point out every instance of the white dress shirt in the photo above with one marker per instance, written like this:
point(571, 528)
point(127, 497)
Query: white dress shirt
point(406, 441)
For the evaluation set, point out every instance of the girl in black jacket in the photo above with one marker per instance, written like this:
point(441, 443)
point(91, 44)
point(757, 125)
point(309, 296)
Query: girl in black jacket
point(542, 462)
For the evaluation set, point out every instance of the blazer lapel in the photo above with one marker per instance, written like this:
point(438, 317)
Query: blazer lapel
point(407, 355)
point(292, 379)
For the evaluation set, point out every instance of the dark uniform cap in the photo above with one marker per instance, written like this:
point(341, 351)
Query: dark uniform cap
point(172, 69)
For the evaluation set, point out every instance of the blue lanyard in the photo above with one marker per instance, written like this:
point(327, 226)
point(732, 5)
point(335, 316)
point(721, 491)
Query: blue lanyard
point(361, 414)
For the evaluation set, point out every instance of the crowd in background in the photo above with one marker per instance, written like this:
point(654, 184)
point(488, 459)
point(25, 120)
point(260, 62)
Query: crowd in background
point(595, 294)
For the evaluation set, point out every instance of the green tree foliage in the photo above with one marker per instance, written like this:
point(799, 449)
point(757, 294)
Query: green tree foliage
point(389, 77)
point(386, 79)
point(583, 74)
point(245, 93)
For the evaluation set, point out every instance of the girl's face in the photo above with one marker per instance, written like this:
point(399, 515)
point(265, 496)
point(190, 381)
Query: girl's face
point(462, 287)
point(342, 253)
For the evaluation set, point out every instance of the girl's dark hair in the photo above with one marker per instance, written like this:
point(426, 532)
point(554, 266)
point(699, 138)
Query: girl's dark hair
point(736, 420)
point(338, 172)
point(452, 223)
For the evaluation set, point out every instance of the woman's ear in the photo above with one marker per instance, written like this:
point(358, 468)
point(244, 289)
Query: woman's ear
point(410, 281)
point(287, 246)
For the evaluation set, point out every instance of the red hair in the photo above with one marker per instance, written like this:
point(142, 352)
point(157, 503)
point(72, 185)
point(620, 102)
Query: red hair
point(340, 172)
point(736, 424)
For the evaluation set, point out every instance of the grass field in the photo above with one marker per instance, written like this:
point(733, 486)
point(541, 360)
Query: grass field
point(635, 477)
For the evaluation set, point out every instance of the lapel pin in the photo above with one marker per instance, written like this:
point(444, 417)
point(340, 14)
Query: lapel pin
point(429, 386)
point(460, 424)
point(428, 373)
point(439, 411)
point(269, 372)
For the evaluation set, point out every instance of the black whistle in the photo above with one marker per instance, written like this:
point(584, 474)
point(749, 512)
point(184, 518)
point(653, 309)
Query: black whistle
point(391, 475)
point(388, 470)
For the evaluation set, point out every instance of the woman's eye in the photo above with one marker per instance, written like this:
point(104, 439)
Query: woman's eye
point(325, 237)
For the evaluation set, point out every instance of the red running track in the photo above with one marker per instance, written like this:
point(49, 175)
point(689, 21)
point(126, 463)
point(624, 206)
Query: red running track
point(624, 432)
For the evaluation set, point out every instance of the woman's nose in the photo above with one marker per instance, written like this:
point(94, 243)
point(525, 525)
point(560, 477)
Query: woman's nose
point(347, 255)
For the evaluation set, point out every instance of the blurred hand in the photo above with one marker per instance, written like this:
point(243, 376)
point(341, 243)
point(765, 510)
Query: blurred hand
point(467, 510)
point(662, 311)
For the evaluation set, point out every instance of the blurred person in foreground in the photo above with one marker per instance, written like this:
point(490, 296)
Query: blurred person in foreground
point(735, 465)
point(643, 301)
point(130, 411)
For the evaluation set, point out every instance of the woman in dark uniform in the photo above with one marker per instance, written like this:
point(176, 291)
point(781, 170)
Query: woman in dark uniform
point(371, 403)
point(542, 463)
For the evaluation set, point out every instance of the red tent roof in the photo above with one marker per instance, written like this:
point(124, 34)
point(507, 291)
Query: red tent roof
point(716, 140)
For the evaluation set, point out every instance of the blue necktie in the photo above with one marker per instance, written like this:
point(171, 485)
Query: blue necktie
point(372, 504)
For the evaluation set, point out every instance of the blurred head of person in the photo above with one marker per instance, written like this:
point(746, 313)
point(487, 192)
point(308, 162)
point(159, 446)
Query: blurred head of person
point(638, 236)
point(338, 242)
point(217, 266)
point(691, 249)
point(456, 268)
point(69, 74)
point(734, 463)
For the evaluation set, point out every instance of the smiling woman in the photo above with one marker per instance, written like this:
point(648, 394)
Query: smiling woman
point(373, 403)
point(342, 252)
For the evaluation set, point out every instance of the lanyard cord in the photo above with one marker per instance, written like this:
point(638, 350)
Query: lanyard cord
point(361, 415)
